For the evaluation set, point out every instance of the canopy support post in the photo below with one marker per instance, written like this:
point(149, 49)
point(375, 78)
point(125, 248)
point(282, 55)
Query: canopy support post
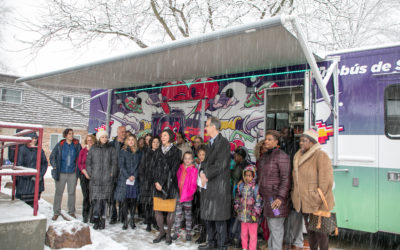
point(108, 115)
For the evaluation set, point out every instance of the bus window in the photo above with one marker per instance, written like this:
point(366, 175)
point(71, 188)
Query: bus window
point(392, 111)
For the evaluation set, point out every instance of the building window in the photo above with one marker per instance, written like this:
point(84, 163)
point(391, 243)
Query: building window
point(72, 102)
point(56, 138)
point(11, 95)
point(392, 111)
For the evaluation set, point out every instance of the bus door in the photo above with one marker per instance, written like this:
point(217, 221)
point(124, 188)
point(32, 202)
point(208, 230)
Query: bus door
point(285, 108)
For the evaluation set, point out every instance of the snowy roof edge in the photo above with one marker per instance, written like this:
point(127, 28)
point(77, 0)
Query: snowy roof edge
point(270, 22)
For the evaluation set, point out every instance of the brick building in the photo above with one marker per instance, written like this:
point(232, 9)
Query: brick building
point(21, 104)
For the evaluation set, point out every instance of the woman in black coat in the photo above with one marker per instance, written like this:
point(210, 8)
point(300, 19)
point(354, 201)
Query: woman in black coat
point(101, 166)
point(25, 185)
point(167, 160)
point(146, 181)
point(127, 185)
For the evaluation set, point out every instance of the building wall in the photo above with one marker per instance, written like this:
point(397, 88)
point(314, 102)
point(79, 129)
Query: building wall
point(38, 109)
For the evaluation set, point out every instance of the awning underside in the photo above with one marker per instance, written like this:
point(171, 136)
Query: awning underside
point(262, 45)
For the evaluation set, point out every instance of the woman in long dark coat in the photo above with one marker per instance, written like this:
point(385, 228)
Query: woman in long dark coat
point(167, 160)
point(145, 180)
point(274, 185)
point(25, 185)
point(101, 166)
point(126, 192)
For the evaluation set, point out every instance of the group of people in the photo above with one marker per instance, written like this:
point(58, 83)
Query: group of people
point(170, 181)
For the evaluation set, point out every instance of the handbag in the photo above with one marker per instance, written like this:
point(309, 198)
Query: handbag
point(164, 205)
point(323, 221)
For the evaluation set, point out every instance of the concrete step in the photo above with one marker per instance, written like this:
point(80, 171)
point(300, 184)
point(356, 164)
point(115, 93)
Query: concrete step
point(19, 229)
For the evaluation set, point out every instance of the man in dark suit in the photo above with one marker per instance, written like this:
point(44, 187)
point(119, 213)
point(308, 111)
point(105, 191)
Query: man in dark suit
point(215, 179)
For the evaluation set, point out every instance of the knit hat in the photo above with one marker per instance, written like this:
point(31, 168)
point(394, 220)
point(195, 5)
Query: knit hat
point(100, 134)
point(312, 134)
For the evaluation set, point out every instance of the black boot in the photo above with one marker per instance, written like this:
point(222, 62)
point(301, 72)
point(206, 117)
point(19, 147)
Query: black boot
point(132, 208)
point(96, 222)
point(120, 215)
point(148, 228)
point(202, 237)
point(124, 214)
point(102, 223)
point(114, 217)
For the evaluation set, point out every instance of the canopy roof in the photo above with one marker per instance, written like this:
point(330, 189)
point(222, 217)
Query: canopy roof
point(262, 45)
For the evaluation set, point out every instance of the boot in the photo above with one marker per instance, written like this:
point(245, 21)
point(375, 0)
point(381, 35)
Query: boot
point(96, 223)
point(120, 215)
point(102, 223)
point(202, 237)
point(124, 214)
point(132, 207)
point(114, 217)
point(148, 228)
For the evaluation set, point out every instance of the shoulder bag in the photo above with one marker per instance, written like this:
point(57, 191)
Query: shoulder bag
point(323, 221)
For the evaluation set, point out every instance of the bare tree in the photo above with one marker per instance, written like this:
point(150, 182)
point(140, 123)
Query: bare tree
point(342, 24)
point(143, 22)
point(4, 11)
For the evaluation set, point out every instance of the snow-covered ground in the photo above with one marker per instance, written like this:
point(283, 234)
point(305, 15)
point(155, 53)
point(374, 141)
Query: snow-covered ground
point(112, 237)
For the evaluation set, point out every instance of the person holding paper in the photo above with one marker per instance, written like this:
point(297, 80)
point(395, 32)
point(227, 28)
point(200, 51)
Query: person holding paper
point(126, 191)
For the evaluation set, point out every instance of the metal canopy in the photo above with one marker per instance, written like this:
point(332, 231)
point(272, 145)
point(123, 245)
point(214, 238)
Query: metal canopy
point(262, 45)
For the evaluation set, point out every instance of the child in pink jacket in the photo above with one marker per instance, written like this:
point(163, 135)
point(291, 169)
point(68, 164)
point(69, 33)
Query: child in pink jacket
point(187, 184)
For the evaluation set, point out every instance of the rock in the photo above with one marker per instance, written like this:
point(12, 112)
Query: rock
point(8, 185)
point(68, 234)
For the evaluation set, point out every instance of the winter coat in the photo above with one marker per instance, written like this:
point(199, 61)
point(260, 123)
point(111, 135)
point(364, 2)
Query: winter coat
point(117, 146)
point(189, 182)
point(184, 147)
point(25, 185)
point(312, 170)
point(274, 180)
point(289, 147)
point(56, 154)
point(216, 199)
point(82, 158)
point(101, 165)
point(164, 171)
point(128, 166)
point(237, 171)
point(248, 201)
point(145, 176)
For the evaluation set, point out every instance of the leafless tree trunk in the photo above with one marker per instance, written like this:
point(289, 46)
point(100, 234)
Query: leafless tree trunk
point(4, 11)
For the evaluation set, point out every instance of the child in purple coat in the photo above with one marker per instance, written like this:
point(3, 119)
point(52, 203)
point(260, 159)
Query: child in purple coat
point(248, 207)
